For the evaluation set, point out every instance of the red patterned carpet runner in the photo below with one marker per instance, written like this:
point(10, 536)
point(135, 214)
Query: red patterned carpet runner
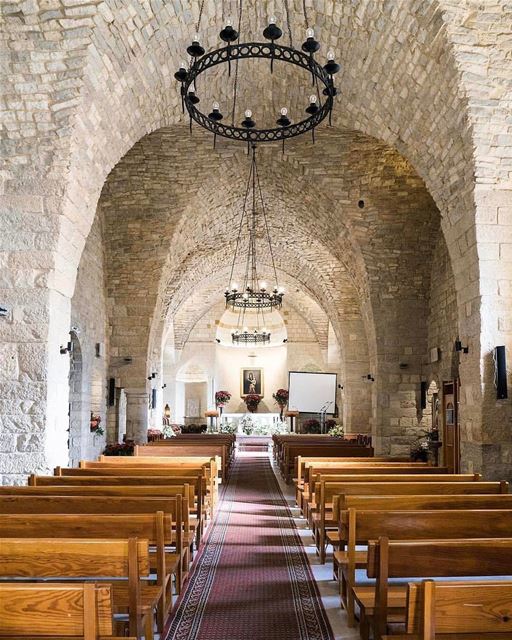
point(252, 580)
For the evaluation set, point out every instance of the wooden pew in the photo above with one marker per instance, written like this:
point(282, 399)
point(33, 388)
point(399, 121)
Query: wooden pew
point(79, 611)
point(425, 502)
point(156, 450)
point(160, 471)
point(452, 610)
point(325, 492)
point(317, 476)
point(126, 462)
point(202, 494)
point(388, 559)
point(306, 468)
point(159, 529)
point(61, 559)
point(176, 507)
point(358, 527)
point(328, 449)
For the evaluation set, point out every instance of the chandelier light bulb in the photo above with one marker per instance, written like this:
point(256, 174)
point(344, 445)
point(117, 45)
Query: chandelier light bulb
point(183, 64)
point(330, 54)
point(229, 22)
point(264, 330)
point(281, 290)
point(272, 20)
point(246, 330)
point(284, 111)
point(310, 33)
point(263, 285)
point(245, 296)
point(196, 37)
point(248, 113)
point(234, 286)
point(313, 99)
point(215, 106)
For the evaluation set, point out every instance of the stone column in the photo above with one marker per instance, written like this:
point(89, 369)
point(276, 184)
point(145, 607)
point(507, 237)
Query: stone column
point(137, 413)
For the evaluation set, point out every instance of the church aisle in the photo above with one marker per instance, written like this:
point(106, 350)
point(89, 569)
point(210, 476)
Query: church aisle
point(252, 579)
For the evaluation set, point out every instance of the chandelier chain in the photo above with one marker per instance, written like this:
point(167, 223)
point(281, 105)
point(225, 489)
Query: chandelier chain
point(287, 9)
point(235, 81)
point(240, 228)
point(305, 14)
point(264, 213)
point(201, 7)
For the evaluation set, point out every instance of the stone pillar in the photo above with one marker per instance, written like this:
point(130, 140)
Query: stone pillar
point(137, 413)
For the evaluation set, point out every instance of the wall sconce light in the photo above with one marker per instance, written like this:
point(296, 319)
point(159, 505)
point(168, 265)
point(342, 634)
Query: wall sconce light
point(459, 347)
point(217, 340)
point(152, 376)
point(164, 386)
point(4, 311)
point(368, 377)
point(67, 349)
point(167, 411)
point(285, 340)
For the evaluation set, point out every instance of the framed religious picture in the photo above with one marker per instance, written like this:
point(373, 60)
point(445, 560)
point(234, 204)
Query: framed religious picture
point(251, 381)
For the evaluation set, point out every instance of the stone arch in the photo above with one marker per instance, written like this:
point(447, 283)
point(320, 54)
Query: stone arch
point(115, 78)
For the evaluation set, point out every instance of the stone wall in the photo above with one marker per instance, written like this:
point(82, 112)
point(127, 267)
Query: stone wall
point(85, 81)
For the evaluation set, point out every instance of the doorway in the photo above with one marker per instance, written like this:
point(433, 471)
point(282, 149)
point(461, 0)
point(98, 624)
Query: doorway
point(76, 409)
point(451, 434)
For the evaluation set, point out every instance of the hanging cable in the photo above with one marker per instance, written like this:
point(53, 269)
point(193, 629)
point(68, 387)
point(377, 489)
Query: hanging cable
point(235, 81)
point(266, 224)
point(287, 10)
point(244, 208)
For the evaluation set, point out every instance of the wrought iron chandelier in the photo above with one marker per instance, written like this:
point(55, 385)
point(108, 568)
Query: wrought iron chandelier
point(321, 100)
point(254, 295)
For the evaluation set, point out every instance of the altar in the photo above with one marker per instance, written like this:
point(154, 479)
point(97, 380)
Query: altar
point(257, 424)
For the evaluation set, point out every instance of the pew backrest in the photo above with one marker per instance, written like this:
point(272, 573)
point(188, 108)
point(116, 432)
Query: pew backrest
point(459, 608)
point(64, 610)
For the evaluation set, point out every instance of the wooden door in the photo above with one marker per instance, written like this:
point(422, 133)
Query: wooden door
point(451, 440)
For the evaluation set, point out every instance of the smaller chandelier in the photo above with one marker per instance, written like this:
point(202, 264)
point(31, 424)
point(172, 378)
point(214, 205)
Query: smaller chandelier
point(245, 337)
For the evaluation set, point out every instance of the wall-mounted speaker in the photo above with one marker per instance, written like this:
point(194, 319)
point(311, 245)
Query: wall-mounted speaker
point(500, 373)
point(111, 392)
point(423, 394)
point(153, 398)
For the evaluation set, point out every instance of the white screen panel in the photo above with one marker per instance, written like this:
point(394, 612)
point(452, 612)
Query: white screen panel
point(312, 392)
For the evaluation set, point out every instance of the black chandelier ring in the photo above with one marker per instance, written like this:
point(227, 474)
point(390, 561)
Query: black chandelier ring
point(262, 300)
point(251, 50)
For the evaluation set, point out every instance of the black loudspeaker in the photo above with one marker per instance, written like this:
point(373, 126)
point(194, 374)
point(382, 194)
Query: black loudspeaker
point(500, 361)
point(153, 398)
point(111, 392)
point(423, 395)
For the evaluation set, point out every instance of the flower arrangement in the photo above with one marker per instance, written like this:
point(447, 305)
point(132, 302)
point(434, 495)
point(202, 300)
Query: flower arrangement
point(281, 398)
point(311, 426)
point(252, 401)
point(421, 450)
point(119, 449)
point(228, 427)
point(247, 425)
point(154, 434)
point(222, 398)
point(170, 430)
point(95, 425)
point(336, 430)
